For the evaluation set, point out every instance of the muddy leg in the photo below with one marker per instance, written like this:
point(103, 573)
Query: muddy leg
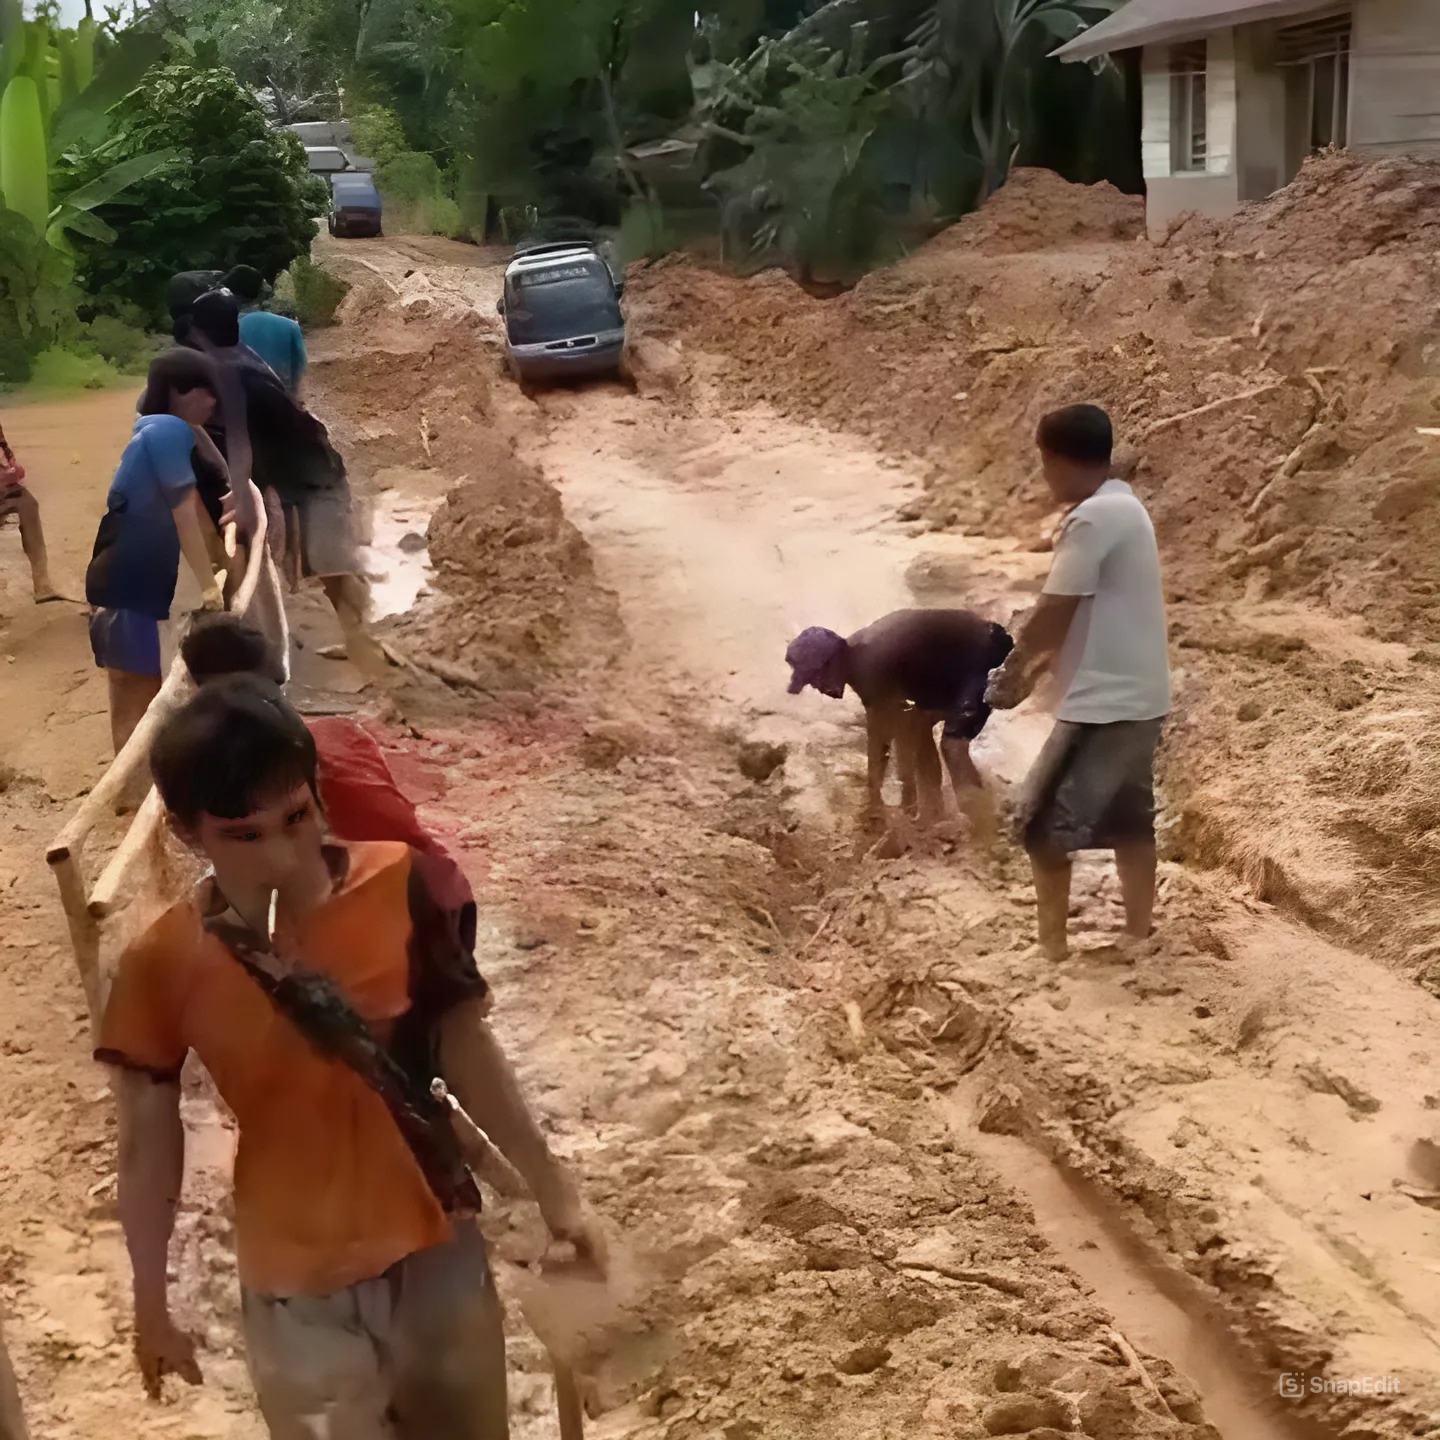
point(130, 697)
point(1136, 864)
point(32, 539)
point(294, 550)
point(351, 598)
point(927, 766)
point(1051, 869)
point(884, 728)
point(974, 801)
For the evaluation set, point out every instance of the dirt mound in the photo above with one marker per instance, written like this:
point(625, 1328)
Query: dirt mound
point(1037, 210)
point(516, 594)
point(1268, 375)
point(1341, 207)
point(514, 598)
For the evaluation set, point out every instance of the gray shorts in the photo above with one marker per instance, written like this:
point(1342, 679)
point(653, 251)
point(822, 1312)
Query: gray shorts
point(327, 533)
point(1093, 787)
point(416, 1354)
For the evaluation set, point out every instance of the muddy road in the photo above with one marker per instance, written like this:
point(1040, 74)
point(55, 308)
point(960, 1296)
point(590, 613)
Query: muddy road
point(867, 1154)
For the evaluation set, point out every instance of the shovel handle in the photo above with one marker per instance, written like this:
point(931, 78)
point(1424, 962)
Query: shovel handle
point(568, 1402)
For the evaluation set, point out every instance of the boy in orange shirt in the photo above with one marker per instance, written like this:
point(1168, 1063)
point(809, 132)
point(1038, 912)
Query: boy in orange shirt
point(323, 985)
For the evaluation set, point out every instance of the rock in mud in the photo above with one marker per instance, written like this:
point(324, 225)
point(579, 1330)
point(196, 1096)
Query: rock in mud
point(606, 743)
point(1316, 1077)
point(759, 761)
point(1021, 1414)
point(1002, 1112)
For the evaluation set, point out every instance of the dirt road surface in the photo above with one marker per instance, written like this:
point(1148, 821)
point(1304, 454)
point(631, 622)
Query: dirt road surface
point(867, 1153)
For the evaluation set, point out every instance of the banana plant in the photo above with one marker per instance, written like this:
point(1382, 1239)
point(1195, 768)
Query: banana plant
point(51, 99)
point(970, 59)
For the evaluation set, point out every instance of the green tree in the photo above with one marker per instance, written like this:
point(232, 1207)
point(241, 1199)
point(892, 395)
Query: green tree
point(238, 191)
point(802, 191)
point(290, 52)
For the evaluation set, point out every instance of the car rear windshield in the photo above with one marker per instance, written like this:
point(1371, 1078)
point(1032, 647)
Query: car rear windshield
point(358, 195)
point(561, 303)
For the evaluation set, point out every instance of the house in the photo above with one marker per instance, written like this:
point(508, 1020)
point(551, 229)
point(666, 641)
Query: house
point(1238, 92)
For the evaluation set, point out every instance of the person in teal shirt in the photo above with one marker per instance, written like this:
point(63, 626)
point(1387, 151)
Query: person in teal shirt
point(278, 341)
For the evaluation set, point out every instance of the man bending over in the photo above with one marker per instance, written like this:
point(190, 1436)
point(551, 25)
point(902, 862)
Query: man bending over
point(912, 670)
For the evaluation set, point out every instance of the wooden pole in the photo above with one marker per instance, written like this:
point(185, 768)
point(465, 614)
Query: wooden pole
point(84, 910)
point(144, 831)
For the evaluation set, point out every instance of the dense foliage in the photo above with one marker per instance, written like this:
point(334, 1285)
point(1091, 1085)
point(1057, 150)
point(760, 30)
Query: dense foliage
point(821, 134)
point(235, 191)
point(56, 90)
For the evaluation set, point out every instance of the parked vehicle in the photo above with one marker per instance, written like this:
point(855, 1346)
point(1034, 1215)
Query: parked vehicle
point(562, 313)
point(355, 205)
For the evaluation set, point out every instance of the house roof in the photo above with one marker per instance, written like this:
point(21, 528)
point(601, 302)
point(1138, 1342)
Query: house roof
point(1159, 22)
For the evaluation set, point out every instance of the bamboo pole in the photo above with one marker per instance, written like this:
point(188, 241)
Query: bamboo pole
point(143, 832)
point(84, 909)
point(84, 933)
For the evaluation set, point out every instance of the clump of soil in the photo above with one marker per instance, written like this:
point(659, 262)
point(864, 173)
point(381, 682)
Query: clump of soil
point(1270, 377)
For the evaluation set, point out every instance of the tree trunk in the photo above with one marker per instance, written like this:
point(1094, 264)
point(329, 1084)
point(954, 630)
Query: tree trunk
point(617, 138)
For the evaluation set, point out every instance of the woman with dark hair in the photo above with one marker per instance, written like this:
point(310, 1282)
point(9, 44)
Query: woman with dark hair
point(212, 474)
point(153, 515)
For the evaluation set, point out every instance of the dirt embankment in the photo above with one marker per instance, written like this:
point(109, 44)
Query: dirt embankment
point(514, 600)
point(1268, 376)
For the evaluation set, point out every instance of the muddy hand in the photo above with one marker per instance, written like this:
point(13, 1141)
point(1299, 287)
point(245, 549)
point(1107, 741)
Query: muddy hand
point(162, 1349)
point(571, 1224)
point(1007, 687)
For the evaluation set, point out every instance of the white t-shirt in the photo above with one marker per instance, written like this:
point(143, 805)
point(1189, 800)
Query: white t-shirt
point(1114, 664)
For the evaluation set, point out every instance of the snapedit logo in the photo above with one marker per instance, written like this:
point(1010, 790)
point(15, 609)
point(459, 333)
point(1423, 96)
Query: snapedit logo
point(1295, 1385)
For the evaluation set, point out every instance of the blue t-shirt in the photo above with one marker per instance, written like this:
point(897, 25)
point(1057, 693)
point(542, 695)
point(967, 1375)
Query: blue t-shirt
point(279, 342)
point(136, 563)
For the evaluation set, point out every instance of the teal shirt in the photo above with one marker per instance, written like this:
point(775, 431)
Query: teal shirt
point(279, 342)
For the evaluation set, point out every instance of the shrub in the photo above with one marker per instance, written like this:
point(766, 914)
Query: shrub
point(124, 345)
point(59, 369)
point(318, 293)
point(417, 196)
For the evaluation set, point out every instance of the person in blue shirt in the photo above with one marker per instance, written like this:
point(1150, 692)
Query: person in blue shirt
point(153, 516)
point(278, 341)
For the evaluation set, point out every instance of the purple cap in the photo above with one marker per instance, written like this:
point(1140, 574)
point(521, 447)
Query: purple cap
point(811, 657)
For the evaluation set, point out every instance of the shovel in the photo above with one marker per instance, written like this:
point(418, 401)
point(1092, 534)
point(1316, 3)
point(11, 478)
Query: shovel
point(494, 1170)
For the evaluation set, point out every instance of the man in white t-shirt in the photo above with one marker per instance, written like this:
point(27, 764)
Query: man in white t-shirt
point(1100, 627)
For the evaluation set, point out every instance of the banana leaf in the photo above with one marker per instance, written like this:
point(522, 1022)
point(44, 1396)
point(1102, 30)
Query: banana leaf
point(12, 40)
point(83, 119)
point(82, 222)
point(84, 47)
point(24, 162)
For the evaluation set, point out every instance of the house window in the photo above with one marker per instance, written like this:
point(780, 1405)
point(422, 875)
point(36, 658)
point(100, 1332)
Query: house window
point(1317, 56)
point(1189, 132)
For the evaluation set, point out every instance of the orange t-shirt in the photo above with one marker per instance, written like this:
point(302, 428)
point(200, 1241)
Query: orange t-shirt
point(327, 1192)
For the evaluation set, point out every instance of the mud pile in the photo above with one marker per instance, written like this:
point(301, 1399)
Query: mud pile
point(1040, 211)
point(1268, 375)
point(514, 599)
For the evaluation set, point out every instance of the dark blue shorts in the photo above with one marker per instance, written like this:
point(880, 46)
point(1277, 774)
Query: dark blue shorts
point(126, 640)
